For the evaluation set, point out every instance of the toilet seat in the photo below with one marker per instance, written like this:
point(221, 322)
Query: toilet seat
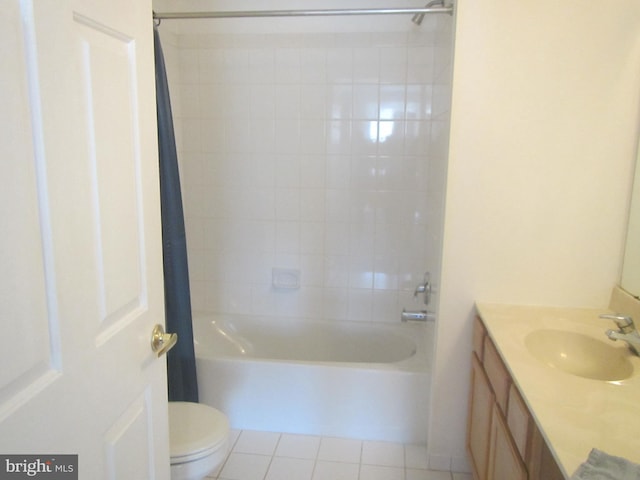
point(195, 431)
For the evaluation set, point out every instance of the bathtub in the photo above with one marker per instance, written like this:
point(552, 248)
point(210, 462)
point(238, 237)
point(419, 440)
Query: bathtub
point(342, 379)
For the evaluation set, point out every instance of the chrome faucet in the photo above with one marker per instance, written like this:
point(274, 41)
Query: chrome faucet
point(626, 331)
point(417, 316)
point(423, 289)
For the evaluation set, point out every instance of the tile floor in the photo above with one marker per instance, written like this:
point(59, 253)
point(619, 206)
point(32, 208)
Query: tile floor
point(281, 456)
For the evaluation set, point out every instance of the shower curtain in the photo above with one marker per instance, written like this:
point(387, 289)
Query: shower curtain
point(181, 362)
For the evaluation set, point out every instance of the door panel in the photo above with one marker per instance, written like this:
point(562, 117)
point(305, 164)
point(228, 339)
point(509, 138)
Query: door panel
point(479, 422)
point(124, 437)
point(107, 58)
point(28, 341)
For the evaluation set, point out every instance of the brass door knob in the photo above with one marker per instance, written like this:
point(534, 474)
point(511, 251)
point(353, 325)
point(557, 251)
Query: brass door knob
point(162, 342)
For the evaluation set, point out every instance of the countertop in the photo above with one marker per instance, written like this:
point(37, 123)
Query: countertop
point(574, 414)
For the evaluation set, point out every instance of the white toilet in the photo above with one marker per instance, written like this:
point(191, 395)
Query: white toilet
point(198, 440)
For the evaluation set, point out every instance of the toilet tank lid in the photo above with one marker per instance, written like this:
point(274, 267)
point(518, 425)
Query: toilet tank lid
point(194, 427)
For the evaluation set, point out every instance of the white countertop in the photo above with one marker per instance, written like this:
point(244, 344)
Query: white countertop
point(574, 414)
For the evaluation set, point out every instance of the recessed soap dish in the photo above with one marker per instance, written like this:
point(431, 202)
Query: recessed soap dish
point(285, 278)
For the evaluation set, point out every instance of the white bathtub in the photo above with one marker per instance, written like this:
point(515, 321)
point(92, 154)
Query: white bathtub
point(343, 379)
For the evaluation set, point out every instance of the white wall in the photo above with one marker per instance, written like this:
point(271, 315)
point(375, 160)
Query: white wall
point(543, 138)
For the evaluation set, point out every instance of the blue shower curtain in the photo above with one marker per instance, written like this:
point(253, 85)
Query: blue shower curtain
point(181, 362)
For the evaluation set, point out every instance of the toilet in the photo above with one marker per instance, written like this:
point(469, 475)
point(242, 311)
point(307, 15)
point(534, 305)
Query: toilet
point(198, 440)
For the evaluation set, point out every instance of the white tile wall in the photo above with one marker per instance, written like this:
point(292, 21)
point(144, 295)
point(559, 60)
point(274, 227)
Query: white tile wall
point(318, 152)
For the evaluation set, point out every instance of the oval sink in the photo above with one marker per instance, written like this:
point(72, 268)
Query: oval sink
point(579, 354)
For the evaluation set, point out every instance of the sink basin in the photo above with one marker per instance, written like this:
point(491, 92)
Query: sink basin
point(579, 354)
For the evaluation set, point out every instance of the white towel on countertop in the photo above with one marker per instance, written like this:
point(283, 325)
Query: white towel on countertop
point(602, 466)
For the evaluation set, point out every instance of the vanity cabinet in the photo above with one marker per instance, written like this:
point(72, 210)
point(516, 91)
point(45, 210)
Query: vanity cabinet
point(502, 438)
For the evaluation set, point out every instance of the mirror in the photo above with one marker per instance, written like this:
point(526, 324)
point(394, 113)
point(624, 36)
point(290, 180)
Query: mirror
point(630, 280)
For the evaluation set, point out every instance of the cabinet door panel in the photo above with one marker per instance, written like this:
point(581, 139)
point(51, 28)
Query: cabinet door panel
point(505, 462)
point(478, 338)
point(519, 421)
point(496, 371)
point(542, 465)
point(480, 410)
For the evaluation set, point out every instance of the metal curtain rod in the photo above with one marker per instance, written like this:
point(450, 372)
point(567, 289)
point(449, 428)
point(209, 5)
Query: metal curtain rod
point(300, 13)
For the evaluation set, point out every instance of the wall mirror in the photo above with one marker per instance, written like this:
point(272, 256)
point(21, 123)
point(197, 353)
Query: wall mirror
point(630, 280)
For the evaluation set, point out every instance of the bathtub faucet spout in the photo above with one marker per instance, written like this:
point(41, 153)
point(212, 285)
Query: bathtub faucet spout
point(417, 316)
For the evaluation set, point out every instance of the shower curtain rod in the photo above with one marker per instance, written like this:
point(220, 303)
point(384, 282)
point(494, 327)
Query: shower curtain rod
point(300, 13)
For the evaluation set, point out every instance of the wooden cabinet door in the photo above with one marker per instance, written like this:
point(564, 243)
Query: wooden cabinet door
point(519, 421)
point(481, 404)
point(497, 373)
point(504, 460)
point(542, 465)
point(478, 338)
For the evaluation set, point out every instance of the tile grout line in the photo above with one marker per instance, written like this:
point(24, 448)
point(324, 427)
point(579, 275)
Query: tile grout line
point(316, 458)
point(273, 455)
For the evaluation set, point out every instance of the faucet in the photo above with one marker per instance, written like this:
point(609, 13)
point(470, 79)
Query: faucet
point(626, 331)
point(425, 289)
point(420, 315)
point(417, 316)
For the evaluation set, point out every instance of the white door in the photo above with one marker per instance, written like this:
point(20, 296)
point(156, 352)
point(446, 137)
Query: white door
point(80, 245)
